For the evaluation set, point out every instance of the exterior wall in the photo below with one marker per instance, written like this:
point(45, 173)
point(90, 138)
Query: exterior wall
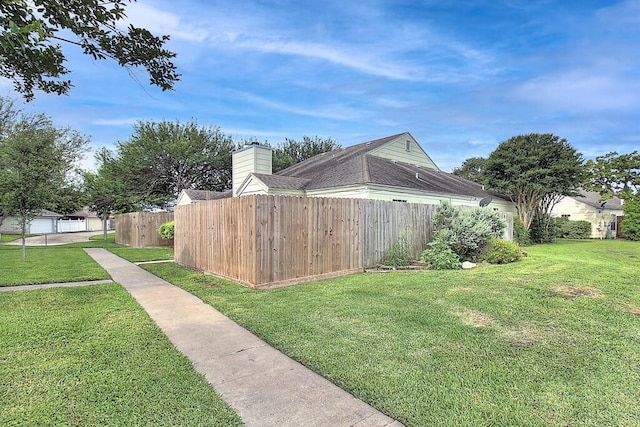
point(578, 211)
point(10, 225)
point(95, 224)
point(397, 150)
point(251, 186)
point(251, 159)
point(377, 192)
point(183, 199)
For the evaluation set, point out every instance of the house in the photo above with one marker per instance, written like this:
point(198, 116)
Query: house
point(84, 220)
point(45, 222)
point(395, 168)
point(189, 196)
point(604, 216)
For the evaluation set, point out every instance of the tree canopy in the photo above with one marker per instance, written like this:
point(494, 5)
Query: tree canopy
point(615, 174)
point(160, 159)
point(535, 170)
point(31, 54)
point(472, 169)
point(290, 152)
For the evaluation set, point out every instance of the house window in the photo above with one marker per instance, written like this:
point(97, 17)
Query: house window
point(408, 145)
point(612, 227)
point(400, 200)
point(565, 216)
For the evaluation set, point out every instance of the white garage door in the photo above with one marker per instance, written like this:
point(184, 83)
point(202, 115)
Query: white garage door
point(42, 225)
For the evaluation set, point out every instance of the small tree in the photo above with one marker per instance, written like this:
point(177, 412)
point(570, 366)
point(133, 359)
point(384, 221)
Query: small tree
point(35, 162)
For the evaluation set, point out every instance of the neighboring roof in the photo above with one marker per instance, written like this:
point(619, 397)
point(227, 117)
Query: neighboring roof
point(355, 166)
point(207, 195)
point(592, 198)
point(47, 213)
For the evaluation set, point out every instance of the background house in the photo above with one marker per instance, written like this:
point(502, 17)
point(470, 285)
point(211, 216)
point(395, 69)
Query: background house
point(603, 216)
point(51, 222)
point(395, 168)
point(45, 222)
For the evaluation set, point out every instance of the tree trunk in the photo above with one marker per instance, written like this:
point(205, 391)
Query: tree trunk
point(24, 234)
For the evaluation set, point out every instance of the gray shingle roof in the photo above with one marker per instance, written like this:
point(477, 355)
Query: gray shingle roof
point(592, 198)
point(207, 195)
point(353, 166)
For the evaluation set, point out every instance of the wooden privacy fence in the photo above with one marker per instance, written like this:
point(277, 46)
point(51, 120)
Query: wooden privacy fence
point(140, 229)
point(267, 241)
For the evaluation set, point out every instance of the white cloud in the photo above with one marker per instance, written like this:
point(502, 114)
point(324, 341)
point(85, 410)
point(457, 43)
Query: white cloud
point(581, 90)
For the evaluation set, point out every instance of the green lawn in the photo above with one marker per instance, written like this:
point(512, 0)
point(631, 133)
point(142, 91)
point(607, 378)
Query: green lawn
point(550, 340)
point(90, 356)
point(67, 263)
point(53, 264)
point(9, 237)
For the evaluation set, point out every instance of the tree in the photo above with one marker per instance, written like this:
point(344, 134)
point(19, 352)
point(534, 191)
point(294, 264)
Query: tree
point(105, 192)
point(161, 159)
point(614, 174)
point(36, 159)
point(31, 55)
point(290, 152)
point(619, 175)
point(630, 225)
point(472, 169)
point(535, 171)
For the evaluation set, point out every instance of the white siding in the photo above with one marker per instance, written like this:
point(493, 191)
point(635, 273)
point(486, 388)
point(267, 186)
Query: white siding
point(251, 159)
point(397, 150)
point(578, 211)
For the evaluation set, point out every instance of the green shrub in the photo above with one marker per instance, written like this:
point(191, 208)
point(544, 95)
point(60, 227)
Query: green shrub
point(572, 229)
point(543, 229)
point(166, 230)
point(500, 251)
point(520, 233)
point(630, 225)
point(399, 255)
point(440, 256)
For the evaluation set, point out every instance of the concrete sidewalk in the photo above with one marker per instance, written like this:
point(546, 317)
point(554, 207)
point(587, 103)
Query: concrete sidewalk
point(265, 387)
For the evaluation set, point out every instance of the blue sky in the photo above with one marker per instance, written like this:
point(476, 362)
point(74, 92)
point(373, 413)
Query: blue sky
point(459, 76)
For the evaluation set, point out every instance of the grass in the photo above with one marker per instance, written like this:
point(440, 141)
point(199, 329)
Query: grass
point(53, 264)
point(67, 263)
point(550, 340)
point(91, 356)
point(9, 237)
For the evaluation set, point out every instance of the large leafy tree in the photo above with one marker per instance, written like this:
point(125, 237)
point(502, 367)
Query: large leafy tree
point(36, 161)
point(535, 171)
point(615, 174)
point(33, 31)
point(291, 151)
point(160, 159)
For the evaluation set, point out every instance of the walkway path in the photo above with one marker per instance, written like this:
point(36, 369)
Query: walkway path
point(265, 387)
point(53, 239)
